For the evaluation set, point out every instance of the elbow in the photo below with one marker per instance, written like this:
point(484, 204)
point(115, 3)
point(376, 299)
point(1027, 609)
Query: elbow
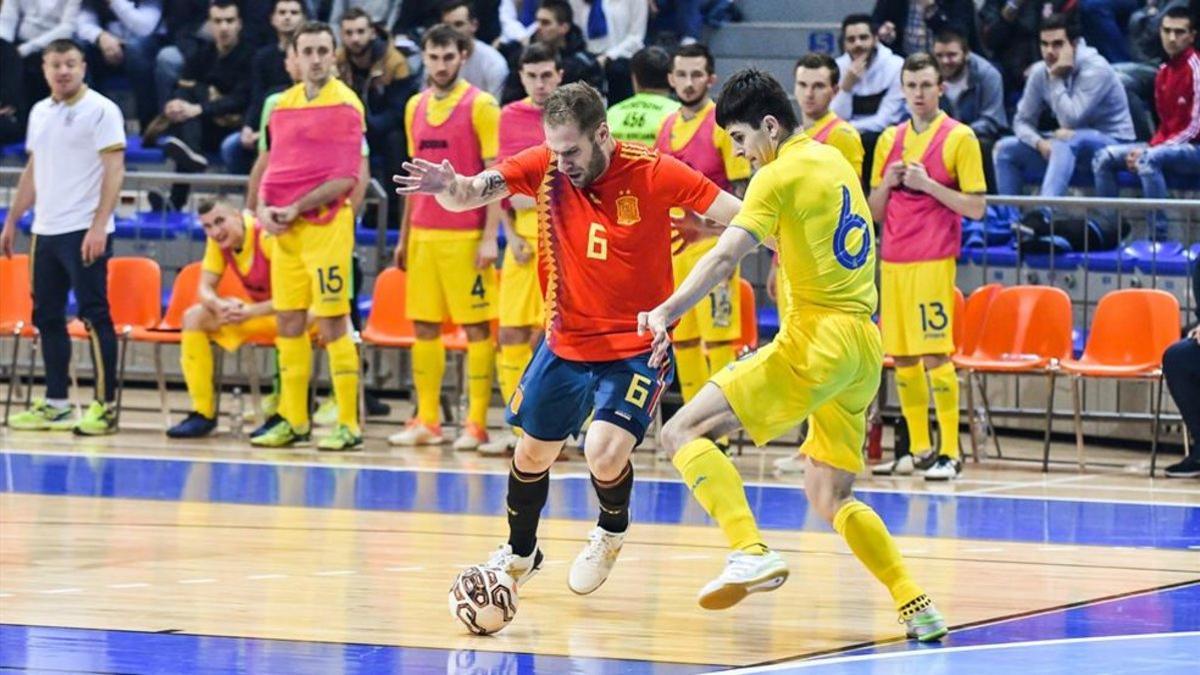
point(977, 208)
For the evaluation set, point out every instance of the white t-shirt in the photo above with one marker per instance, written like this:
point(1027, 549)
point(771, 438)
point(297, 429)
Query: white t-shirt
point(66, 139)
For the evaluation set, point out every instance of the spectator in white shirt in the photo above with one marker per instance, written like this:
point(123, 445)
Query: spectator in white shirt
point(485, 67)
point(123, 37)
point(30, 25)
point(615, 31)
point(869, 96)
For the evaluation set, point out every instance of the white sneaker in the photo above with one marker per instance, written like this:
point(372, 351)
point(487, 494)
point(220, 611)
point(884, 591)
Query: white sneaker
point(790, 464)
point(944, 469)
point(499, 447)
point(744, 573)
point(471, 438)
point(520, 568)
point(326, 414)
point(417, 433)
point(595, 561)
point(901, 466)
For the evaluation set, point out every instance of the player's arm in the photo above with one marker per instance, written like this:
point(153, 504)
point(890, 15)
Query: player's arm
point(969, 204)
point(715, 267)
point(359, 193)
point(453, 192)
point(401, 256)
point(21, 202)
point(255, 180)
point(206, 292)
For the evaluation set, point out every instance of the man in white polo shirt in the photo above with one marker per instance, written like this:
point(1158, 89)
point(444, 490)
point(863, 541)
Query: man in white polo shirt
point(76, 143)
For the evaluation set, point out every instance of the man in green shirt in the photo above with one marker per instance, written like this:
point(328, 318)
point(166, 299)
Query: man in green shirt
point(639, 118)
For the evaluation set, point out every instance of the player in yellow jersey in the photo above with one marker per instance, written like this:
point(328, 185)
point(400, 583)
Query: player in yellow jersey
point(450, 257)
point(824, 366)
point(692, 136)
point(307, 205)
point(816, 84)
point(927, 175)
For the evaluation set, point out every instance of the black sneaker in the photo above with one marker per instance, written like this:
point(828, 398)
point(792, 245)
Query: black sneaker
point(266, 426)
point(924, 460)
point(186, 159)
point(375, 406)
point(1188, 468)
point(943, 468)
point(194, 425)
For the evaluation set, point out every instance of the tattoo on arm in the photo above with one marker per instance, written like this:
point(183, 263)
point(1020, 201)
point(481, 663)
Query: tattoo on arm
point(493, 183)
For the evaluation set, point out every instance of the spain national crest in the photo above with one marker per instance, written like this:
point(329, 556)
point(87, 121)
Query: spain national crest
point(627, 210)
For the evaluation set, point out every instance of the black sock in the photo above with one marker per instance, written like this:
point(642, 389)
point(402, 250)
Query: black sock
point(527, 494)
point(614, 500)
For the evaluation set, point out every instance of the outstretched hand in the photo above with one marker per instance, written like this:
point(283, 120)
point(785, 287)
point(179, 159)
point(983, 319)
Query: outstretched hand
point(655, 321)
point(425, 177)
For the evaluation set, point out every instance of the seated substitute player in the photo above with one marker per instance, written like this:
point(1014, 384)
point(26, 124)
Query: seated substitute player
point(235, 241)
point(604, 251)
point(824, 366)
point(927, 175)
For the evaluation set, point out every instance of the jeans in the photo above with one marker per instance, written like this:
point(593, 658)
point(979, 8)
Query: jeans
point(682, 17)
point(237, 157)
point(1014, 159)
point(1105, 26)
point(168, 64)
point(1181, 367)
point(1152, 167)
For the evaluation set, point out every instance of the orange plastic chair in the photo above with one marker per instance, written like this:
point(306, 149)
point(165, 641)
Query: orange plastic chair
point(968, 324)
point(388, 324)
point(749, 319)
point(1130, 331)
point(16, 315)
point(1027, 330)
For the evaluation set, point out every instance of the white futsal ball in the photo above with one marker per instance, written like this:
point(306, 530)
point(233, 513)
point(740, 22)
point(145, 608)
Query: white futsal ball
point(484, 599)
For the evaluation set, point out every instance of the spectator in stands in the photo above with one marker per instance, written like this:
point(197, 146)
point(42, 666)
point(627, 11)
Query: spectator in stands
point(816, 84)
point(371, 65)
point(682, 19)
point(909, 26)
point(616, 30)
point(639, 117)
point(185, 24)
point(556, 28)
point(974, 94)
point(485, 67)
point(1175, 146)
point(73, 177)
point(30, 25)
point(123, 37)
point(384, 13)
point(869, 95)
point(1082, 91)
point(1105, 25)
point(267, 75)
point(1137, 75)
point(12, 98)
point(1010, 34)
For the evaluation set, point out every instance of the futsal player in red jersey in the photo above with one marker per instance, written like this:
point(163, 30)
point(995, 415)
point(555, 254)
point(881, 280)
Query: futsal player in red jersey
point(604, 254)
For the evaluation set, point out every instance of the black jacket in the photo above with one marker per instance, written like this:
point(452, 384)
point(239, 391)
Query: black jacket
point(579, 65)
point(956, 14)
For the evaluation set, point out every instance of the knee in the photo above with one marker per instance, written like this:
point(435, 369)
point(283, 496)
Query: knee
point(427, 331)
point(331, 328)
point(1104, 160)
point(513, 336)
point(291, 324)
point(1149, 163)
point(607, 463)
point(526, 460)
point(48, 318)
point(825, 499)
point(1181, 357)
point(196, 317)
point(478, 331)
point(1005, 149)
point(674, 435)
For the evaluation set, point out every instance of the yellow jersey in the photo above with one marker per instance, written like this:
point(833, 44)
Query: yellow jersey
point(841, 135)
point(485, 117)
point(960, 153)
point(243, 258)
point(812, 203)
point(683, 130)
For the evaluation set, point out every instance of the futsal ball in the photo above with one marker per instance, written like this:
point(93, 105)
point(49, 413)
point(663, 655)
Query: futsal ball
point(484, 599)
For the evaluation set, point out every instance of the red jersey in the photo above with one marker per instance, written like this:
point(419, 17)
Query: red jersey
point(604, 251)
point(1177, 99)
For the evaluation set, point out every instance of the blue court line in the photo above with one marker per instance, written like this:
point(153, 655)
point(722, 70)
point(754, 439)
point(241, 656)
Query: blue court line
point(46, 649)
point(780, 507)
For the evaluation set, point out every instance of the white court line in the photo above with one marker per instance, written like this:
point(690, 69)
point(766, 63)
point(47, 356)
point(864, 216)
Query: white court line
point(335, 573)
point(60, 591)
point(1027, 484)
point(647, 479)
point(404, 569)
point(132, 585)
point(983, 549)
point(196, 581)
point(6, 595)
point(922, 653)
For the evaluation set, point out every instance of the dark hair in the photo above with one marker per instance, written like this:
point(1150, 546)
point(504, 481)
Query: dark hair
point(561, 8)
point(226, 4)
point(303, 6)
point(948, 35)
point(649, 66)
point(451, 5)
point(749, 96)
point(1181, 12)
point(353, 14)
point(577, 103)
point(312, 28)
point(814, 60)
point(539, 53)
point(62, 46)
point(918, 62)
point(209, 203)
point(1061, 22)
point(442, 35)
point(852, 19)
point(695, 50)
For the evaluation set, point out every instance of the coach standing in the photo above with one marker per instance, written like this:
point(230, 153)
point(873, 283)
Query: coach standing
point(76, 143)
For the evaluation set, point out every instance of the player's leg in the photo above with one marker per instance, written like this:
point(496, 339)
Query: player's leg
point(425, 304)
point(291, 296)
point(90, 283)
point(481, 360)
point(943, 382)
point(344, 369)
point(900, 314)
point(50, 285)
point(719, 321)
point(690, 365)
point(521, 311)
point(471, 301)
point(196, 362)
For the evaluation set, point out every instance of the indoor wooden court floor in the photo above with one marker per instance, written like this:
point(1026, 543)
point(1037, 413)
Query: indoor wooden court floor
point(130, 554)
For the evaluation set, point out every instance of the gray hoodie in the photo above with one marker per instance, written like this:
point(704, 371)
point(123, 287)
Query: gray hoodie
point(1090, 97)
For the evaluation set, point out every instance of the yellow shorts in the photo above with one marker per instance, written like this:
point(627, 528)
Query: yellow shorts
point(825, 368)
point(717, 318)
point(521, 301)
point(916, 307)
point(311, 268)
point(443, 282)
point(234, 335)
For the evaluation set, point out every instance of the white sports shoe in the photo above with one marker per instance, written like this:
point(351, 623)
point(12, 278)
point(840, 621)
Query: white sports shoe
point(595, 561)
point(744, 574)
point(944, 469)
point(520, 568)
point(901, 466)
point(326, 414)
point(471, 438)
point(790, 464)
point(417, 433)
point(503, 445)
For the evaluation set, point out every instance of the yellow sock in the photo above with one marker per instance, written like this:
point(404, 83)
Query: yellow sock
point(874, 547)
point(691, 369)
point(719, 356)
point(343, 364)
point(914, 403)
point(196, 359)
point(717, 485)
point(481, 355)
point(429, 365)
point(943, 380)
point(295, 371)
point(510, 366)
